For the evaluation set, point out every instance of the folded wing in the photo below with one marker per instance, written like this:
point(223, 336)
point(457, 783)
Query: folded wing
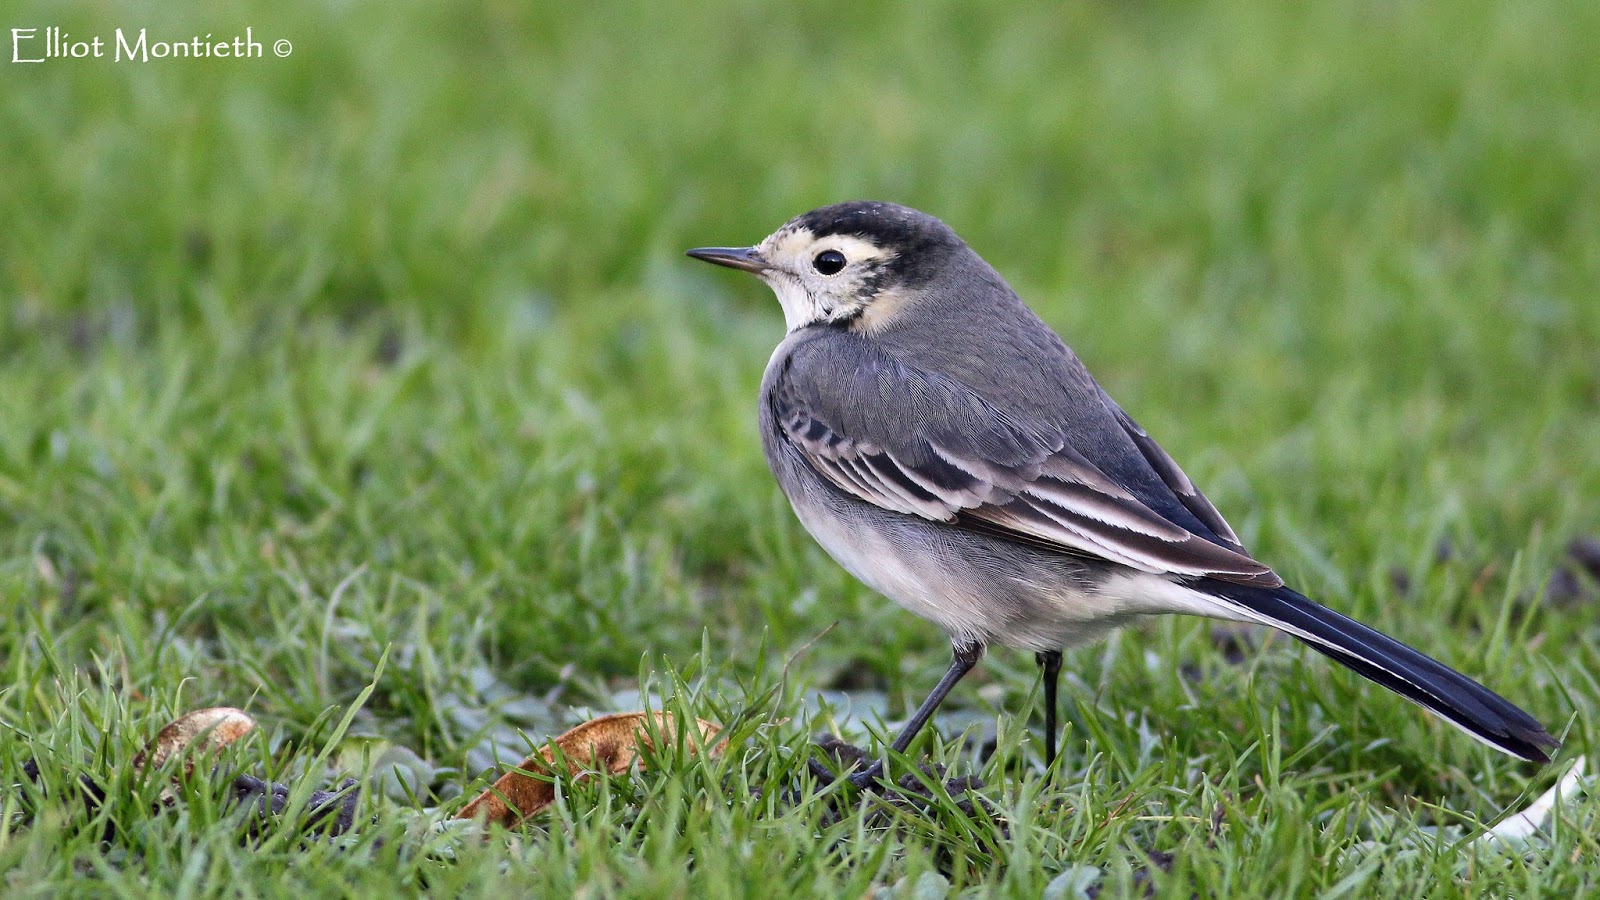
point(914, 442)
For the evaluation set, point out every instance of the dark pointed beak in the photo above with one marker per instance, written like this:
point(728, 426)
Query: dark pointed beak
point(745, 258)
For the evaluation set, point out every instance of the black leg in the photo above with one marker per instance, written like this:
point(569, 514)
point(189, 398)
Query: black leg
point(1050, 663)
point(966, 656)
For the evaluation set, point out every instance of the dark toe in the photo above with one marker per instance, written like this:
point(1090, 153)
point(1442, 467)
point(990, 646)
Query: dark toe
point(867, 778)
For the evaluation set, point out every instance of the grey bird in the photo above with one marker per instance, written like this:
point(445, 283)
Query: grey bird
point(945, 446)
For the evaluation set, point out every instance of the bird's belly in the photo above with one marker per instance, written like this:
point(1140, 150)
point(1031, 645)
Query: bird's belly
point(975, 587)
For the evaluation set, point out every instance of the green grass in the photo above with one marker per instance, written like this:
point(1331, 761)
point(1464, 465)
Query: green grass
point(386, 351)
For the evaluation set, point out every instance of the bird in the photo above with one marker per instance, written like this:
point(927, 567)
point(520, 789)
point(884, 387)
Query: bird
point(947, 448)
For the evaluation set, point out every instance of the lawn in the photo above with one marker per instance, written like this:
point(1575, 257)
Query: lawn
point(367, 389)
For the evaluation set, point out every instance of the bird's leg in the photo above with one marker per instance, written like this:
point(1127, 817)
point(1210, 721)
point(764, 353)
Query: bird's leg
point(1050, 664)
point(966, 656)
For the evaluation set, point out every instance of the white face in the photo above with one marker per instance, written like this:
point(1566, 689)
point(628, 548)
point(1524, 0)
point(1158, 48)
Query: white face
point(805, 272)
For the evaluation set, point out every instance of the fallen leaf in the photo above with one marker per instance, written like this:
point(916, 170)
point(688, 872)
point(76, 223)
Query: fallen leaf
point(217, 727)
point(610, 744)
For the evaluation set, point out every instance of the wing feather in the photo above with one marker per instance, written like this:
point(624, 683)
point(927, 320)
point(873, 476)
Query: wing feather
point(986, 472)
point(1165, 466)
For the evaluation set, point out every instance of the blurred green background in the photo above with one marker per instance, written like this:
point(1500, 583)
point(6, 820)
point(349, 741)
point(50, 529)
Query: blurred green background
point(390, 344)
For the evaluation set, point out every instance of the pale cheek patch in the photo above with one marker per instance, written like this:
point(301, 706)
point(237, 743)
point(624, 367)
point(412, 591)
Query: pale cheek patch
point(807, 296)
point(881, 311)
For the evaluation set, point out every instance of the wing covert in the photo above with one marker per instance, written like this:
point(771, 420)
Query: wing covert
point(915, 443)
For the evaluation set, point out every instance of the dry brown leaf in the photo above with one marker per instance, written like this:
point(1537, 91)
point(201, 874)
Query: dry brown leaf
point(610, 744)
point(217, 727)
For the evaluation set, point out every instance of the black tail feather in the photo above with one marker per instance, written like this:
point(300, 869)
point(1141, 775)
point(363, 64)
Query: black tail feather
point(1435, 686)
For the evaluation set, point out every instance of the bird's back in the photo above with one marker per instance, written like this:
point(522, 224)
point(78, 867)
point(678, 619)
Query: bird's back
point(1038, 384)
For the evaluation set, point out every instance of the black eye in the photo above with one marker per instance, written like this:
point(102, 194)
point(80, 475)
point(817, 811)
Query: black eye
point(828, 262)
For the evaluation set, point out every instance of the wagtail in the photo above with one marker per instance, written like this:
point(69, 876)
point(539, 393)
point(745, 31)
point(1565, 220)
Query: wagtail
point(945, 446)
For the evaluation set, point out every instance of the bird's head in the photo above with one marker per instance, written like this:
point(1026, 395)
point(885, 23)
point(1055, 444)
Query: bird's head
point(851, 265)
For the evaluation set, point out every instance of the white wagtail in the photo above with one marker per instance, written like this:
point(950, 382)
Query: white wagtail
point(950, 451)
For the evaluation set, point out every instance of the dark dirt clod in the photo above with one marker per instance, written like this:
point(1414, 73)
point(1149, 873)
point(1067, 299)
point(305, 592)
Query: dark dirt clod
point(1400, 580)
point(914, 793)
point(1143, 879)
point(197, 246)
point(1575, 581)
point(1400, 576)
point(391, 345)
point(333, 812)
point(1565, 589)
point(92, 794)
point(858, 677)
point(1237, 643)
point(1585, 553)
point(1443, 552)
point(843, 753)
point(330, 812)
point(909, 792)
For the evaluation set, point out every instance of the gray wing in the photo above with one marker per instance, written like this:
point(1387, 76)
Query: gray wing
point(1172, 476)
point(917, 443)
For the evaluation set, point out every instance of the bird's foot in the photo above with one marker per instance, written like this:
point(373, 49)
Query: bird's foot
point(864, 780)
point(867, 779)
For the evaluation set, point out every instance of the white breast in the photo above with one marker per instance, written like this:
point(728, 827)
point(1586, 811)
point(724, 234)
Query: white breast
point(984, 603)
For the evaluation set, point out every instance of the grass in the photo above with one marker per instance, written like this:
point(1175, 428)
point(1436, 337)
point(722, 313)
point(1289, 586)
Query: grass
point(378, 366)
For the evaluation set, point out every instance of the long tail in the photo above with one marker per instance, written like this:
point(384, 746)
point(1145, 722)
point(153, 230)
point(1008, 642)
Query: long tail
point(1461, 701)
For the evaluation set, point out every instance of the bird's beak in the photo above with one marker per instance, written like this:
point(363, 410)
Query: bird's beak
point(745, 258)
